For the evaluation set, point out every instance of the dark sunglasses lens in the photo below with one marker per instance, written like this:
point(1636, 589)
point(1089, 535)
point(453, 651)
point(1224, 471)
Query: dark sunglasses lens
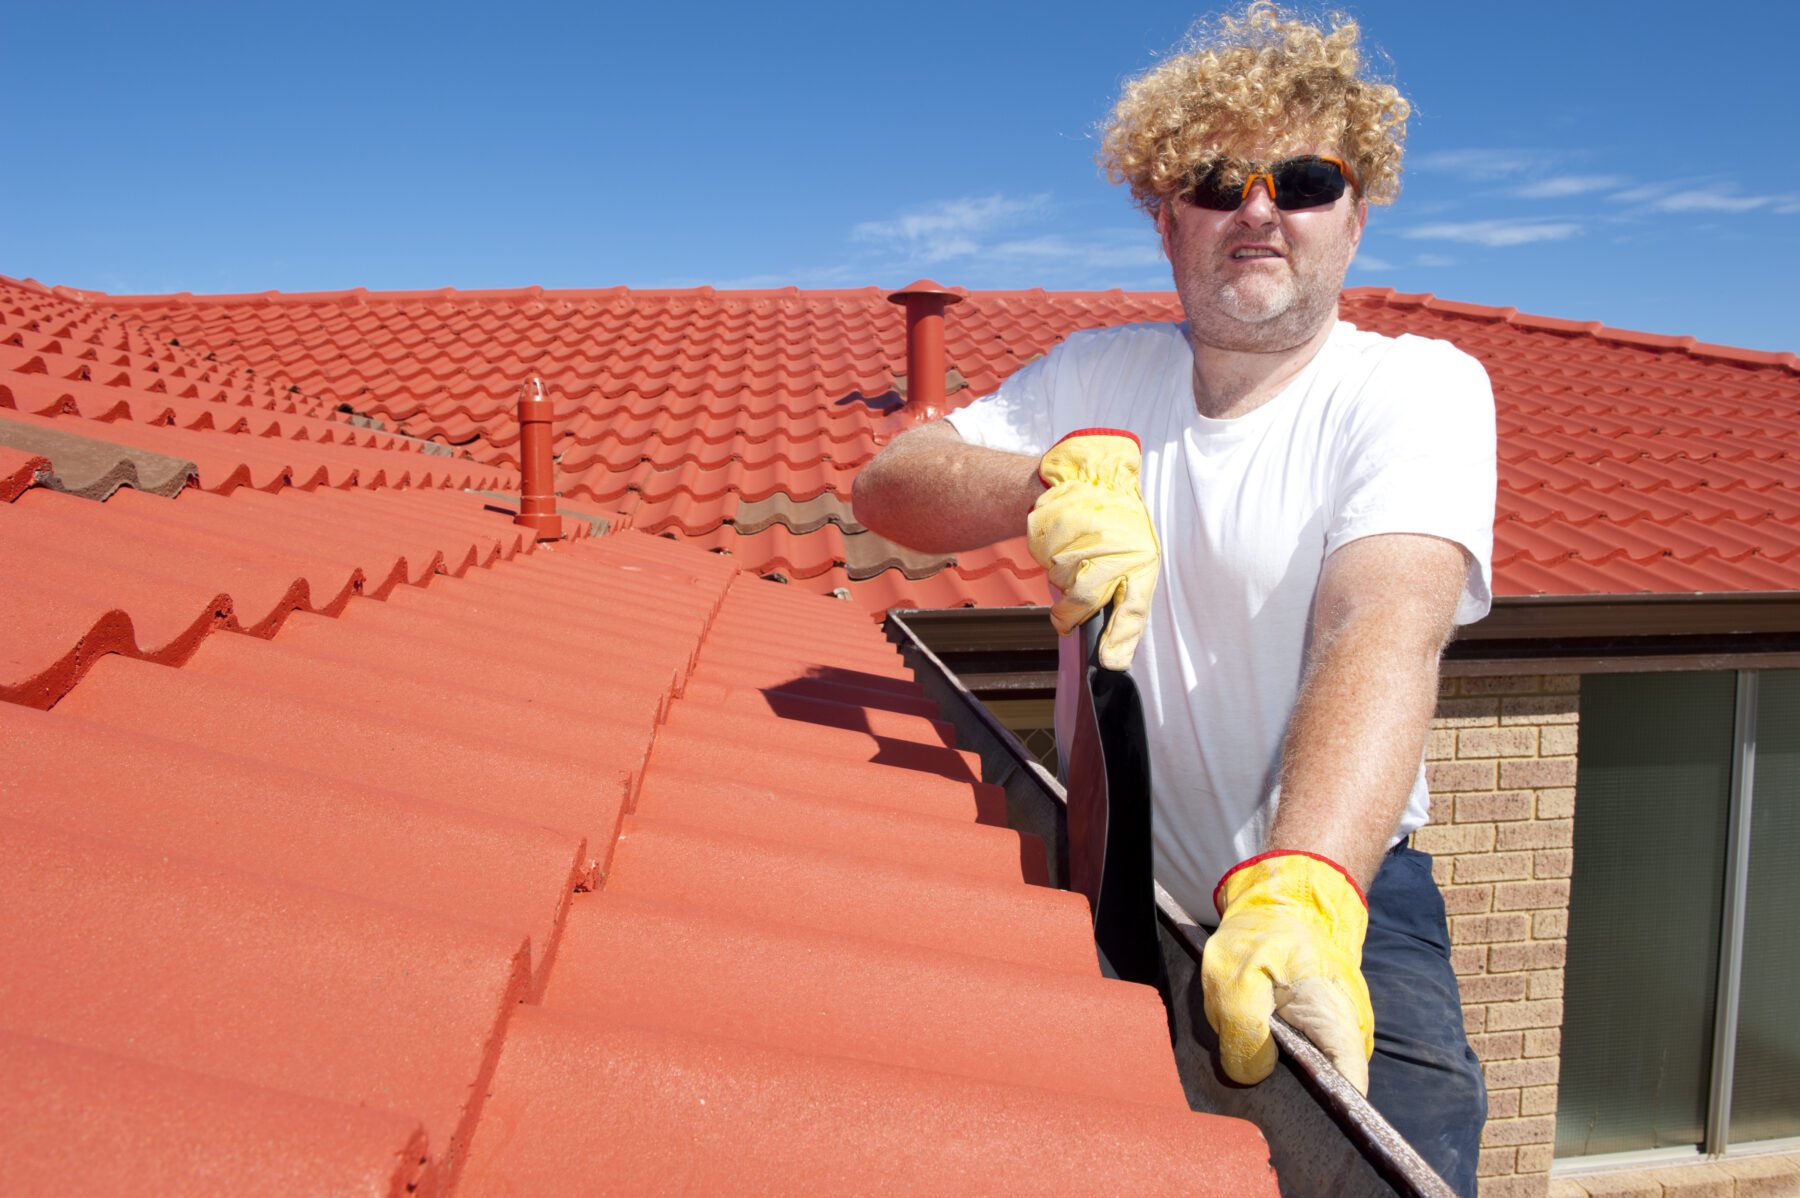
point(1307, 183)
point(1212, 191)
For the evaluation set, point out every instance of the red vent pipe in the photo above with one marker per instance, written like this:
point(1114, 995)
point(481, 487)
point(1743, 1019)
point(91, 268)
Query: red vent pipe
point(925, 367)
point(537, 466)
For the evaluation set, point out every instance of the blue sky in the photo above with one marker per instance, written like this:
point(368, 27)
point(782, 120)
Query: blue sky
point(1637, 164)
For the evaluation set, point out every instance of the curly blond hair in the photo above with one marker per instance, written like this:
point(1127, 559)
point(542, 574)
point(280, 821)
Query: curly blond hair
point(1265, 73)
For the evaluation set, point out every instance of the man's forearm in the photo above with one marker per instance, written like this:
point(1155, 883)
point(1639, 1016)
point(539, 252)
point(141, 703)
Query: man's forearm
point(1352, 753)
point(933, 491)
point(1354, 745)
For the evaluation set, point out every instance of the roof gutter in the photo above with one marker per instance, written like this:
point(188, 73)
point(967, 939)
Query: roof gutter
point(1011, 651)
point(1313, 1119)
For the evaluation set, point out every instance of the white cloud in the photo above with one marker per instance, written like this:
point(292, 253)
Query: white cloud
point(1560, 186)
point(1103, 249)
point(950, 228)
point(1643, 194)
point(1495, 233)
point(1438, 260)
point(1712, 199)
point(1480, 164)
point(1370, 262)
point(1703, 195)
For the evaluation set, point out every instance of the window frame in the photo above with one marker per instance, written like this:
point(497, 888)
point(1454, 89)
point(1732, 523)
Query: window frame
point(1730, 965)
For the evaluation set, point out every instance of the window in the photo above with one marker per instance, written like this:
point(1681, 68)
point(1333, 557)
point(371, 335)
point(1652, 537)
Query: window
point(1678, 1026)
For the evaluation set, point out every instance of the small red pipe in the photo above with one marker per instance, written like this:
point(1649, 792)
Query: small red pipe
point(925, 301)
point(537, 466)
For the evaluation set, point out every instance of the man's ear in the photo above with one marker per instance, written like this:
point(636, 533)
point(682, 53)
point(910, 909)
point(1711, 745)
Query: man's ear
point(1165, 228)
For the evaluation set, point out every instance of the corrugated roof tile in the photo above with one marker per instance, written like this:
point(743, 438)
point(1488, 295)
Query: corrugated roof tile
point(679, 406)
point(339, 850)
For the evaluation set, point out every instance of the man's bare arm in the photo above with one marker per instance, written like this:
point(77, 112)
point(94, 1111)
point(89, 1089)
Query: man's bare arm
point(933, 491)
point(1384, 612)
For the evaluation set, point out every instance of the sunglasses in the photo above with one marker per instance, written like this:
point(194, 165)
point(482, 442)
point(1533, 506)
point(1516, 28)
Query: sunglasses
point(1294, 183)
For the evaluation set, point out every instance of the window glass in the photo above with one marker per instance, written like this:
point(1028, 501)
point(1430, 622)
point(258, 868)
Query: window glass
point(1652, 809)
point(1765, 1093)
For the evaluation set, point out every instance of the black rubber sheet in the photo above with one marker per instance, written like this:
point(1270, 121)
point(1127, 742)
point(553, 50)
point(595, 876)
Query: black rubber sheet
point(1108, 786)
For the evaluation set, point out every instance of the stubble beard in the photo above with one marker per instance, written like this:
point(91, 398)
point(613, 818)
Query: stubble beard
point(1259, 314)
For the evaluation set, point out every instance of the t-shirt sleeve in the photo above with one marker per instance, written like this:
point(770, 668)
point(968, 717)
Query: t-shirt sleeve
point(1420, 458)
point(1016, 418)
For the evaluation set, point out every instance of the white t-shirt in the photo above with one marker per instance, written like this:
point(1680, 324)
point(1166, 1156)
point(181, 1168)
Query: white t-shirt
point(1376, 435)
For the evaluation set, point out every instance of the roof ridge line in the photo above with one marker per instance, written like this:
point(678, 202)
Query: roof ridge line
point(1708, 350)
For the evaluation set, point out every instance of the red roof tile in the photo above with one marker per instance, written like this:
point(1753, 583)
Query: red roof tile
point(676, 407)
point(97, 1123)
point(331, 808)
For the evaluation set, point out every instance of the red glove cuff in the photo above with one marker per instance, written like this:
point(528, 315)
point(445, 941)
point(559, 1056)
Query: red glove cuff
point(1286, 853)
point(1092, 432)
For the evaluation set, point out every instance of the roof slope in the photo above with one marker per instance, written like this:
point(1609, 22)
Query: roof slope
point(737, 420)
point(351, 841)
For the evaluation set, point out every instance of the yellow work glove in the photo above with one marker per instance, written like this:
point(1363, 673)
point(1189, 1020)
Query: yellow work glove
point(1290, 940)
point(1091, 532)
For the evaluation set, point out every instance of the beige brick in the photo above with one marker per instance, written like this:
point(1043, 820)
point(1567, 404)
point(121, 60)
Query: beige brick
point(1530, 896)
point(1695, 1181)
point(1630, 1184)
point(1468, 958)
point(1503, 1046)
point(1440, 870)
point(1489, 929)
point(1546, 771)
point(1552, 863)
point(1519, 741)
point(1493, 987)
point(1539, 954)
point(1446, 776)
point(1442, 839)
point(1559, 740)
point(1537, 834)
point(1546, 983)
point(1536, 1158)
point(1556, 803)
point(1474, 1019)
point(1543, 1042)
point(1467, 713)
point(1504, 805)
point(1538, 1100)
point(1549, 925)
point(1519, 1185)
point(1468, 900)
point(1440, 744)
point(1765, 1176)
point(1546, 1012)
point(1503, 1104)
point(1440, 809)
point(1561, 684)
point(1502, 684)
point(1539, 1129)
point(1494, 867)
point(1567, 1187)
point(1528, 1071)
point(1539, 709)
point(1496, 1162)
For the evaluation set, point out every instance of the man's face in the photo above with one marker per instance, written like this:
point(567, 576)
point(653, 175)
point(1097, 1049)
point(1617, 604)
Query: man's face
point(1258, 279)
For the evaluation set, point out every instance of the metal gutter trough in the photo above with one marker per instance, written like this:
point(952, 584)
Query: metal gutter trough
point(1324, 1137)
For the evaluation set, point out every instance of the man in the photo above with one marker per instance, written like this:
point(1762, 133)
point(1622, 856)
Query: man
point(1291, 515)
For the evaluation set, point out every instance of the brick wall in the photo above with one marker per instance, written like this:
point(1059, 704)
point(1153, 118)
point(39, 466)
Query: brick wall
point(1501, 762)
point(1774, 1176)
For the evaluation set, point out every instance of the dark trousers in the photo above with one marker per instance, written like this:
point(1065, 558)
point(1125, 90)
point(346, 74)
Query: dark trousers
point(1424, 1077)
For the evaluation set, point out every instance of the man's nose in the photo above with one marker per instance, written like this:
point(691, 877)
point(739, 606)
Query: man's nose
point(1258, 207)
